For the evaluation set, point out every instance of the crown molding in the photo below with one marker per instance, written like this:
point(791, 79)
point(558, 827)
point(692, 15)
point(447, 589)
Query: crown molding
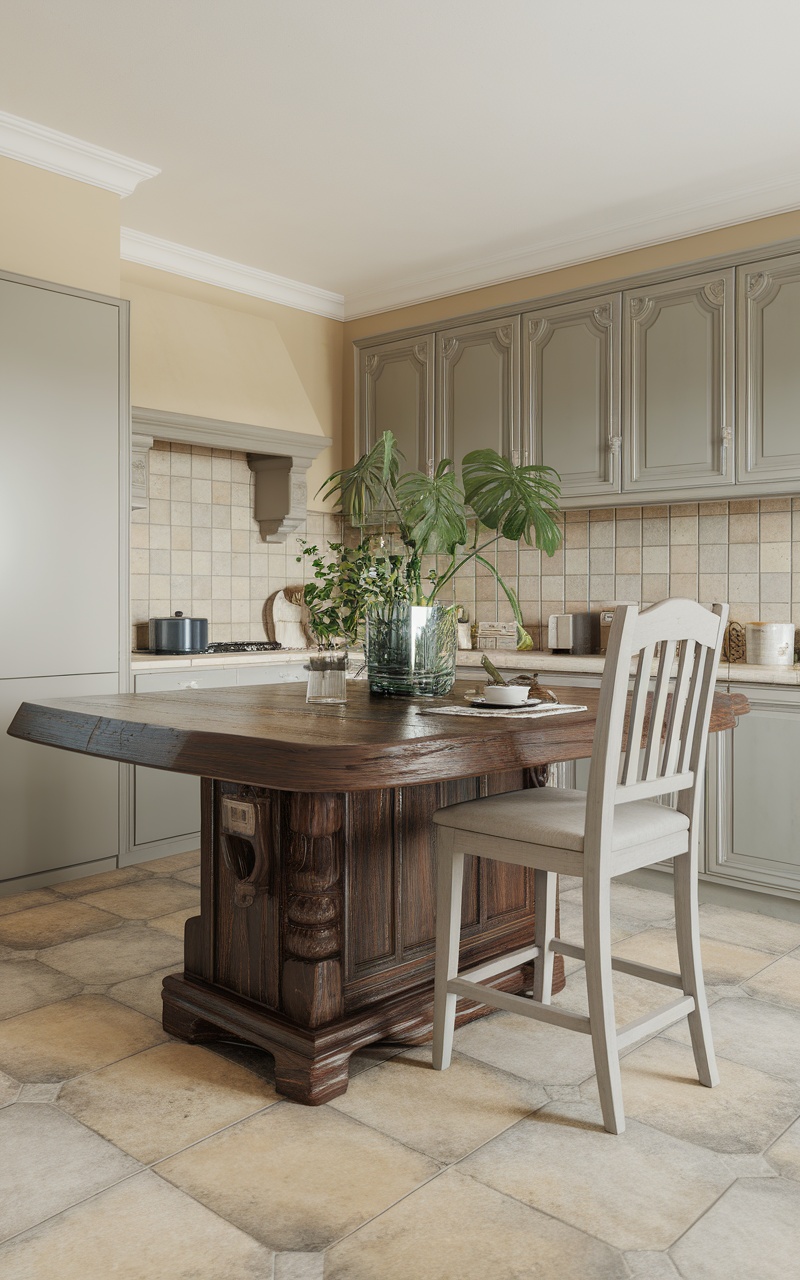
point(179, 260)
point(761, 202)
point(71, 157)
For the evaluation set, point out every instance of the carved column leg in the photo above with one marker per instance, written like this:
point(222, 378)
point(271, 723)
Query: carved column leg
point(311, 980)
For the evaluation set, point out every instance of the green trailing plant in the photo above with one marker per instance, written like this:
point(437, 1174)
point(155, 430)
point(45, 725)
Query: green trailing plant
point(432, 516)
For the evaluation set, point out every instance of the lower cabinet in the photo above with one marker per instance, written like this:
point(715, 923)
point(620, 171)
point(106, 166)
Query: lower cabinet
point(60, 809)
point(165, 806)
point(753, 796)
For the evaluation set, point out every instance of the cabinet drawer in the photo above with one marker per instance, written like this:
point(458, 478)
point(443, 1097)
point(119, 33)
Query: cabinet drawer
point(161, 681)
point(285, 673)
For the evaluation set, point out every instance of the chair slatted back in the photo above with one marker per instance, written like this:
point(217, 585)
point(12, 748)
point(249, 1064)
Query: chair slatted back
point(663, 750)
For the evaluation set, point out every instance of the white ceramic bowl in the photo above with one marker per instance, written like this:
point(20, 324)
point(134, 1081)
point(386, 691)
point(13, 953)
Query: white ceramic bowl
point(506, 695)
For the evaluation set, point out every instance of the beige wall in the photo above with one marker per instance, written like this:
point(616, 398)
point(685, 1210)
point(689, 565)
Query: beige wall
point(202, 350)
point(57, 229)
point(586, 275)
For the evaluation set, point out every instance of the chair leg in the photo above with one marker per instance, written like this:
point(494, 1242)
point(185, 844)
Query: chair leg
point(544, 930)
point(597, 944)
point(450, 876)
point(687, 929)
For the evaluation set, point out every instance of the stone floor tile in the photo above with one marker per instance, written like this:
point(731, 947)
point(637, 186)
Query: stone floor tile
point(9, 1089)
point(103, 880)
point(249, 1056)
point(757, 1034)
point(644, 1264)
point(456, 1229)
point(633, 997)
point(748, 928)
point(143, 993)
point(745, 1166)
point(641, 904)
point(192, 876)
point(113, 957)
point(751, 1232)
point(22, 901)
point(157, 1102)
point(26, 984)
point(56, 922)
point(571, 922)
point(50, 1161)
point(445, 1114)
point(173, 923)
point(146, 899)
point(81, 1034)
point(784, 1155)
point(299, 1266)
point(141, 1229)
point(640, 1190)
point(743, 1113)
point(298, 1178)
point(723, 962)
point(174, 862)
point(780, 983)
point(39, 1092)
point(543, 1054)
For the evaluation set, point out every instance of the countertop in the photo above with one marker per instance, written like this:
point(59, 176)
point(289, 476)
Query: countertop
point(506, 660)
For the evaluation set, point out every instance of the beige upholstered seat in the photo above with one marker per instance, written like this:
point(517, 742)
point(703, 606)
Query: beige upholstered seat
point(655, 747)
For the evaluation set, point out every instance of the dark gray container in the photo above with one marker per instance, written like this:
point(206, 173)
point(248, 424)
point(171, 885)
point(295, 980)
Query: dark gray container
point(178, 634)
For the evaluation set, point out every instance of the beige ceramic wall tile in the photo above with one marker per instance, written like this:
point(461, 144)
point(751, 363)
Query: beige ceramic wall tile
point(743, 1113)
point(125, 953)
point(639, 1190)
point(320, 1175)
point(160, 1101)
point(53, 923)
point(445, 1114)
point(26, 984)
point(80, 1034)
point(751, 1232)
point(713, 557)
point(49, 1162)
point(454, 1227)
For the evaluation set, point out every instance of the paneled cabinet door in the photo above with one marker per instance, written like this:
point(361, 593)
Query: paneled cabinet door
point(678, 382)
point(395, 393)
point(769, 365)
point(478, 392)
point(571, 393)
point(754, 801)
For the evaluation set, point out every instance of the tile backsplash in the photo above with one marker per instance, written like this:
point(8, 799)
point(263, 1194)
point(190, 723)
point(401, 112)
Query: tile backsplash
point(197, 548)
point(746, 552)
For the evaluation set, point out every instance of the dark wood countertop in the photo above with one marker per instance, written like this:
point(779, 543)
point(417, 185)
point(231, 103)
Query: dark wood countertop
point(267, 735)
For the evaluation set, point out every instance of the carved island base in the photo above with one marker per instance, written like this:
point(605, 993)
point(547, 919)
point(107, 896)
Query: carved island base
point(317, 918)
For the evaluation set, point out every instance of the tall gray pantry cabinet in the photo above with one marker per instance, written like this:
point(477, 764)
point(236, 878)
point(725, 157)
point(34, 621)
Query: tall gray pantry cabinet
point(64, 476)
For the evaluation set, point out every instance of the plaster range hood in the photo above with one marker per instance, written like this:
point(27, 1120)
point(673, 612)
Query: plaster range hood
point(278, 459)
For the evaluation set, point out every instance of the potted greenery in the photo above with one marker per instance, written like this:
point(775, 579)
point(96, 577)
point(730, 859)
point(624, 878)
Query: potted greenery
point(411, 633)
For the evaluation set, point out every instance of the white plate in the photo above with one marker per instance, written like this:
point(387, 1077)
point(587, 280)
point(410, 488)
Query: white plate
point(504, 706)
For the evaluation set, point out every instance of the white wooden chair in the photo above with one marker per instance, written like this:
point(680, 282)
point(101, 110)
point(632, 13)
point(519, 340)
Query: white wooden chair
point(616, 826)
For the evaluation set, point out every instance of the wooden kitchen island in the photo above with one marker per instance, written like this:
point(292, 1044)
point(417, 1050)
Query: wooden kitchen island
point(316, 928)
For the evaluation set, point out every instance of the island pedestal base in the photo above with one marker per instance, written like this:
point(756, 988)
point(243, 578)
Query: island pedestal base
point(316, 928)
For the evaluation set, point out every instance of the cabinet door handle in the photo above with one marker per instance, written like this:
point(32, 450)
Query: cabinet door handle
point(614, 446)
point(726, 441)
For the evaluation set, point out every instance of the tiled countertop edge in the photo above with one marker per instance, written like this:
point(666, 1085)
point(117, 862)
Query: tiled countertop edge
point(506, 660)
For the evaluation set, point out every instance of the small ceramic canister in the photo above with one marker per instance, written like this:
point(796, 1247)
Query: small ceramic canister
point(770, 644)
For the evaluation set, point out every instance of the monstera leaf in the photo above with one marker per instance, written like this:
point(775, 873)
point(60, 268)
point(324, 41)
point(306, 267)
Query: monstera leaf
point(516, 501)
point(367, 484)
point(433, 510)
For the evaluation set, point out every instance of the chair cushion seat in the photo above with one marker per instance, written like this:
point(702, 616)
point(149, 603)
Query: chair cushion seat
point(555, 817)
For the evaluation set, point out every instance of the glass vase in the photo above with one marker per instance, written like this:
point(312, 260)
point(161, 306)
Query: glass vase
point(327, 677)
point(411, 649)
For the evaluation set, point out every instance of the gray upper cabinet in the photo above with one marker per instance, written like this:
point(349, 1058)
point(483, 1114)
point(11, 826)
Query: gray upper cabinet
point(478, 388)
point(571, 393)
point(678, 384)
point(769, 370)
point(395, 393)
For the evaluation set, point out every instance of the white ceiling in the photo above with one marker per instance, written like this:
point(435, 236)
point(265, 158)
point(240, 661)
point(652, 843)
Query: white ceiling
point(391, 150)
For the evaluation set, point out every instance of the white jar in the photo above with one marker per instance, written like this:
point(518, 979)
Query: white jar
point(770, 644)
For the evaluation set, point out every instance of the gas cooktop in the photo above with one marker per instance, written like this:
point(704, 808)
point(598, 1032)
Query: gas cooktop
point(242, 646)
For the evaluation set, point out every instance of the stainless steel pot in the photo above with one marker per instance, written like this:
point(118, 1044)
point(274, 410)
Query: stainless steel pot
point(178, 634)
